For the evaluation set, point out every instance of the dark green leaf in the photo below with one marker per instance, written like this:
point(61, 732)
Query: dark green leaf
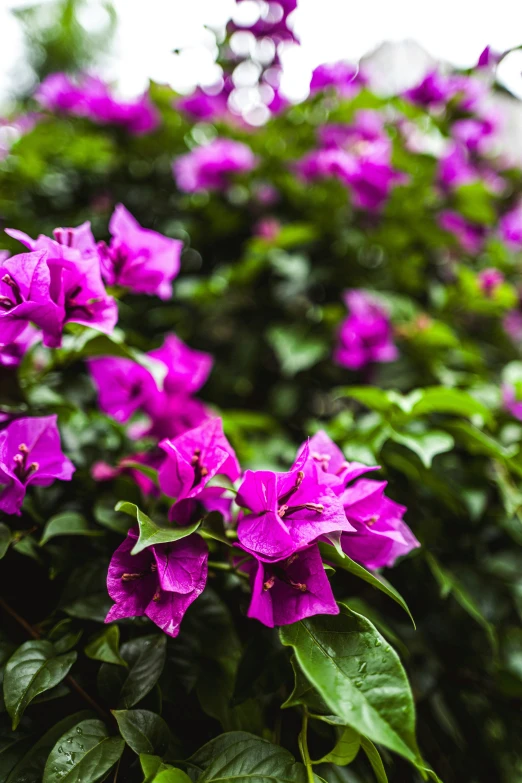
point(5, 539)
point(67, 524)
point(106, 646)
point(143, 731)
point(145, 657)
point(150, 532)
point(83, 754)
point(31, 670)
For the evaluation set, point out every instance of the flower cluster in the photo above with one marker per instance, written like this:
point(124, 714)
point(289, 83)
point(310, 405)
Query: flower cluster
point(61, 280)
point(282, 518)
point(91, 97)
point(365, 336)
point(209, 167)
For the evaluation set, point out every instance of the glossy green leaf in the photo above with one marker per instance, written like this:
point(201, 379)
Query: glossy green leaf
point(31, 670)
point(331, 555)
point(5, 539)
point(441, 399)
point(83, 754)
point(358, 675)
point(106, 646)
point(67, 524)
point(426, 445)
point(143, 731)
point(145, 657)
point(345, 749)
point(156, 771)
point(245, 758)
point(150, 532)
point(374, 757)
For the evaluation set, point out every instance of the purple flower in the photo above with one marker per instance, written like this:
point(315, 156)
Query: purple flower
point(11, 355)
point(512, 324)
point(470, 235)
point(209, 167)
point(187, 369)
point(327, 463)
point(75, 292)
point(367, 126)
point(344, 77)
point(489, 280)
point(434, 89)
point(194, 458)
point(30, 453)
point(25, 296)
point(91, 98)
point(201, 105)
point(488, 58)
point(365, 335)
point(272, 22)
point(124, 386)
point(288, 512)
point(381, 535)
point(511, 400)
point(455, 169)
point(331, 162)
point(475, 132)
point(172, 415)
point(160, 582)
point(102, 471)
point(138, 258)
point(511, 227)
point(291, 589)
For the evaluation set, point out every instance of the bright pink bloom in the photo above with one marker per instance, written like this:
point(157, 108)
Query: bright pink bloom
point(160, 582)
point(511, 227)
point(30, 453)
point(11, 355)
point(187, 369)
point(344, 77)
point(137, 258)
point(511, 401)
point(455, 169)
point(124, 386)
point(201, 105)
point(210, 167)
point(290, 590)
point(489, 280)
point(512, 324)
point(470, 235)
point(365, 335)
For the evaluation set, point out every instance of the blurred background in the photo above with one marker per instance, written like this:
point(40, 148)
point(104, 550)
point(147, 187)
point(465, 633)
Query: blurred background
point(173, 41)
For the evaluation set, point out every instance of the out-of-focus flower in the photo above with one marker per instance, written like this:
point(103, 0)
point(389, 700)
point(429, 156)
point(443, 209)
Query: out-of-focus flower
point(102, 471)
point(512, 400)
point(91, 97)
point(11, 355)
point(511, 227)
point(124, 386)
point(290, 590)
point(201, 105)
point(272, 21)
point(160, 582)
point(139, 259)
point(470, 235)
point(30, 453)
point(476, 133)
point(455, 168)
point(345, 78)
point(512, 324)
point(489, 280)
point(210, 167)
point(267, 228)
point(365, 335)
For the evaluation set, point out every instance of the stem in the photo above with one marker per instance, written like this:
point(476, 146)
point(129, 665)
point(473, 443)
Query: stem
point(303, 746)
point(69, 679)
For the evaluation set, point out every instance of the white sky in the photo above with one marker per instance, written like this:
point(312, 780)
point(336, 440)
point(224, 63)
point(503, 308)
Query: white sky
point(451, 30)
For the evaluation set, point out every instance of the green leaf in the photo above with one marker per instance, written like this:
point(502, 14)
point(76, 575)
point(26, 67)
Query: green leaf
point(449, 584)
point(84, 754)
point(156, 771)
point(150, 532)
point(331, 555)
point(30, 768)
point(106, 646)
point(374, 757)
point(245, 758)
point(345, 749)
point(296, 350)
point(426, 445)
point(31, 670)
point(145, 657)
point(171, 775)
point(67, 524)
point(359, 676)
point(5, 539)
point(440, 399)
point(375, 399)
point(143, 731)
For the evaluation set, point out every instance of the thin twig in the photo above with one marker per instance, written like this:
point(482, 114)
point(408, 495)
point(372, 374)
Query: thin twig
point(69, 679)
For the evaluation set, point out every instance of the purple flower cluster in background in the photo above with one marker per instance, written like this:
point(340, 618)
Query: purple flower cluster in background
point(210, 167)
point(91, 98)
point(365, 336)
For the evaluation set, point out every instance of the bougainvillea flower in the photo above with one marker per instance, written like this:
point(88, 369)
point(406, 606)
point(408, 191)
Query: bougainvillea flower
point(102, 471)
point(139, 259)
point(470, 235)
point(291, 589)
point(272, 21)
point(366, 126)
point(90, 97)
point(331, 162)
point(327, 463)
point(366, 335)
point(344, 77)
point(160, 582)
point(512, 401)
point(204, 106)
point(512, 325)
point(11, 354)
point(123, 386)
point(187, 369)
point(209, 167)
point(381, 535)
point(196, 457)
point(30, 453)
point(288, 512)
point(79, 238)
point(25, 296)
point(475, 132)
point(511, 228)
point(174, 414)
point(489, 280)
point(455, 169)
